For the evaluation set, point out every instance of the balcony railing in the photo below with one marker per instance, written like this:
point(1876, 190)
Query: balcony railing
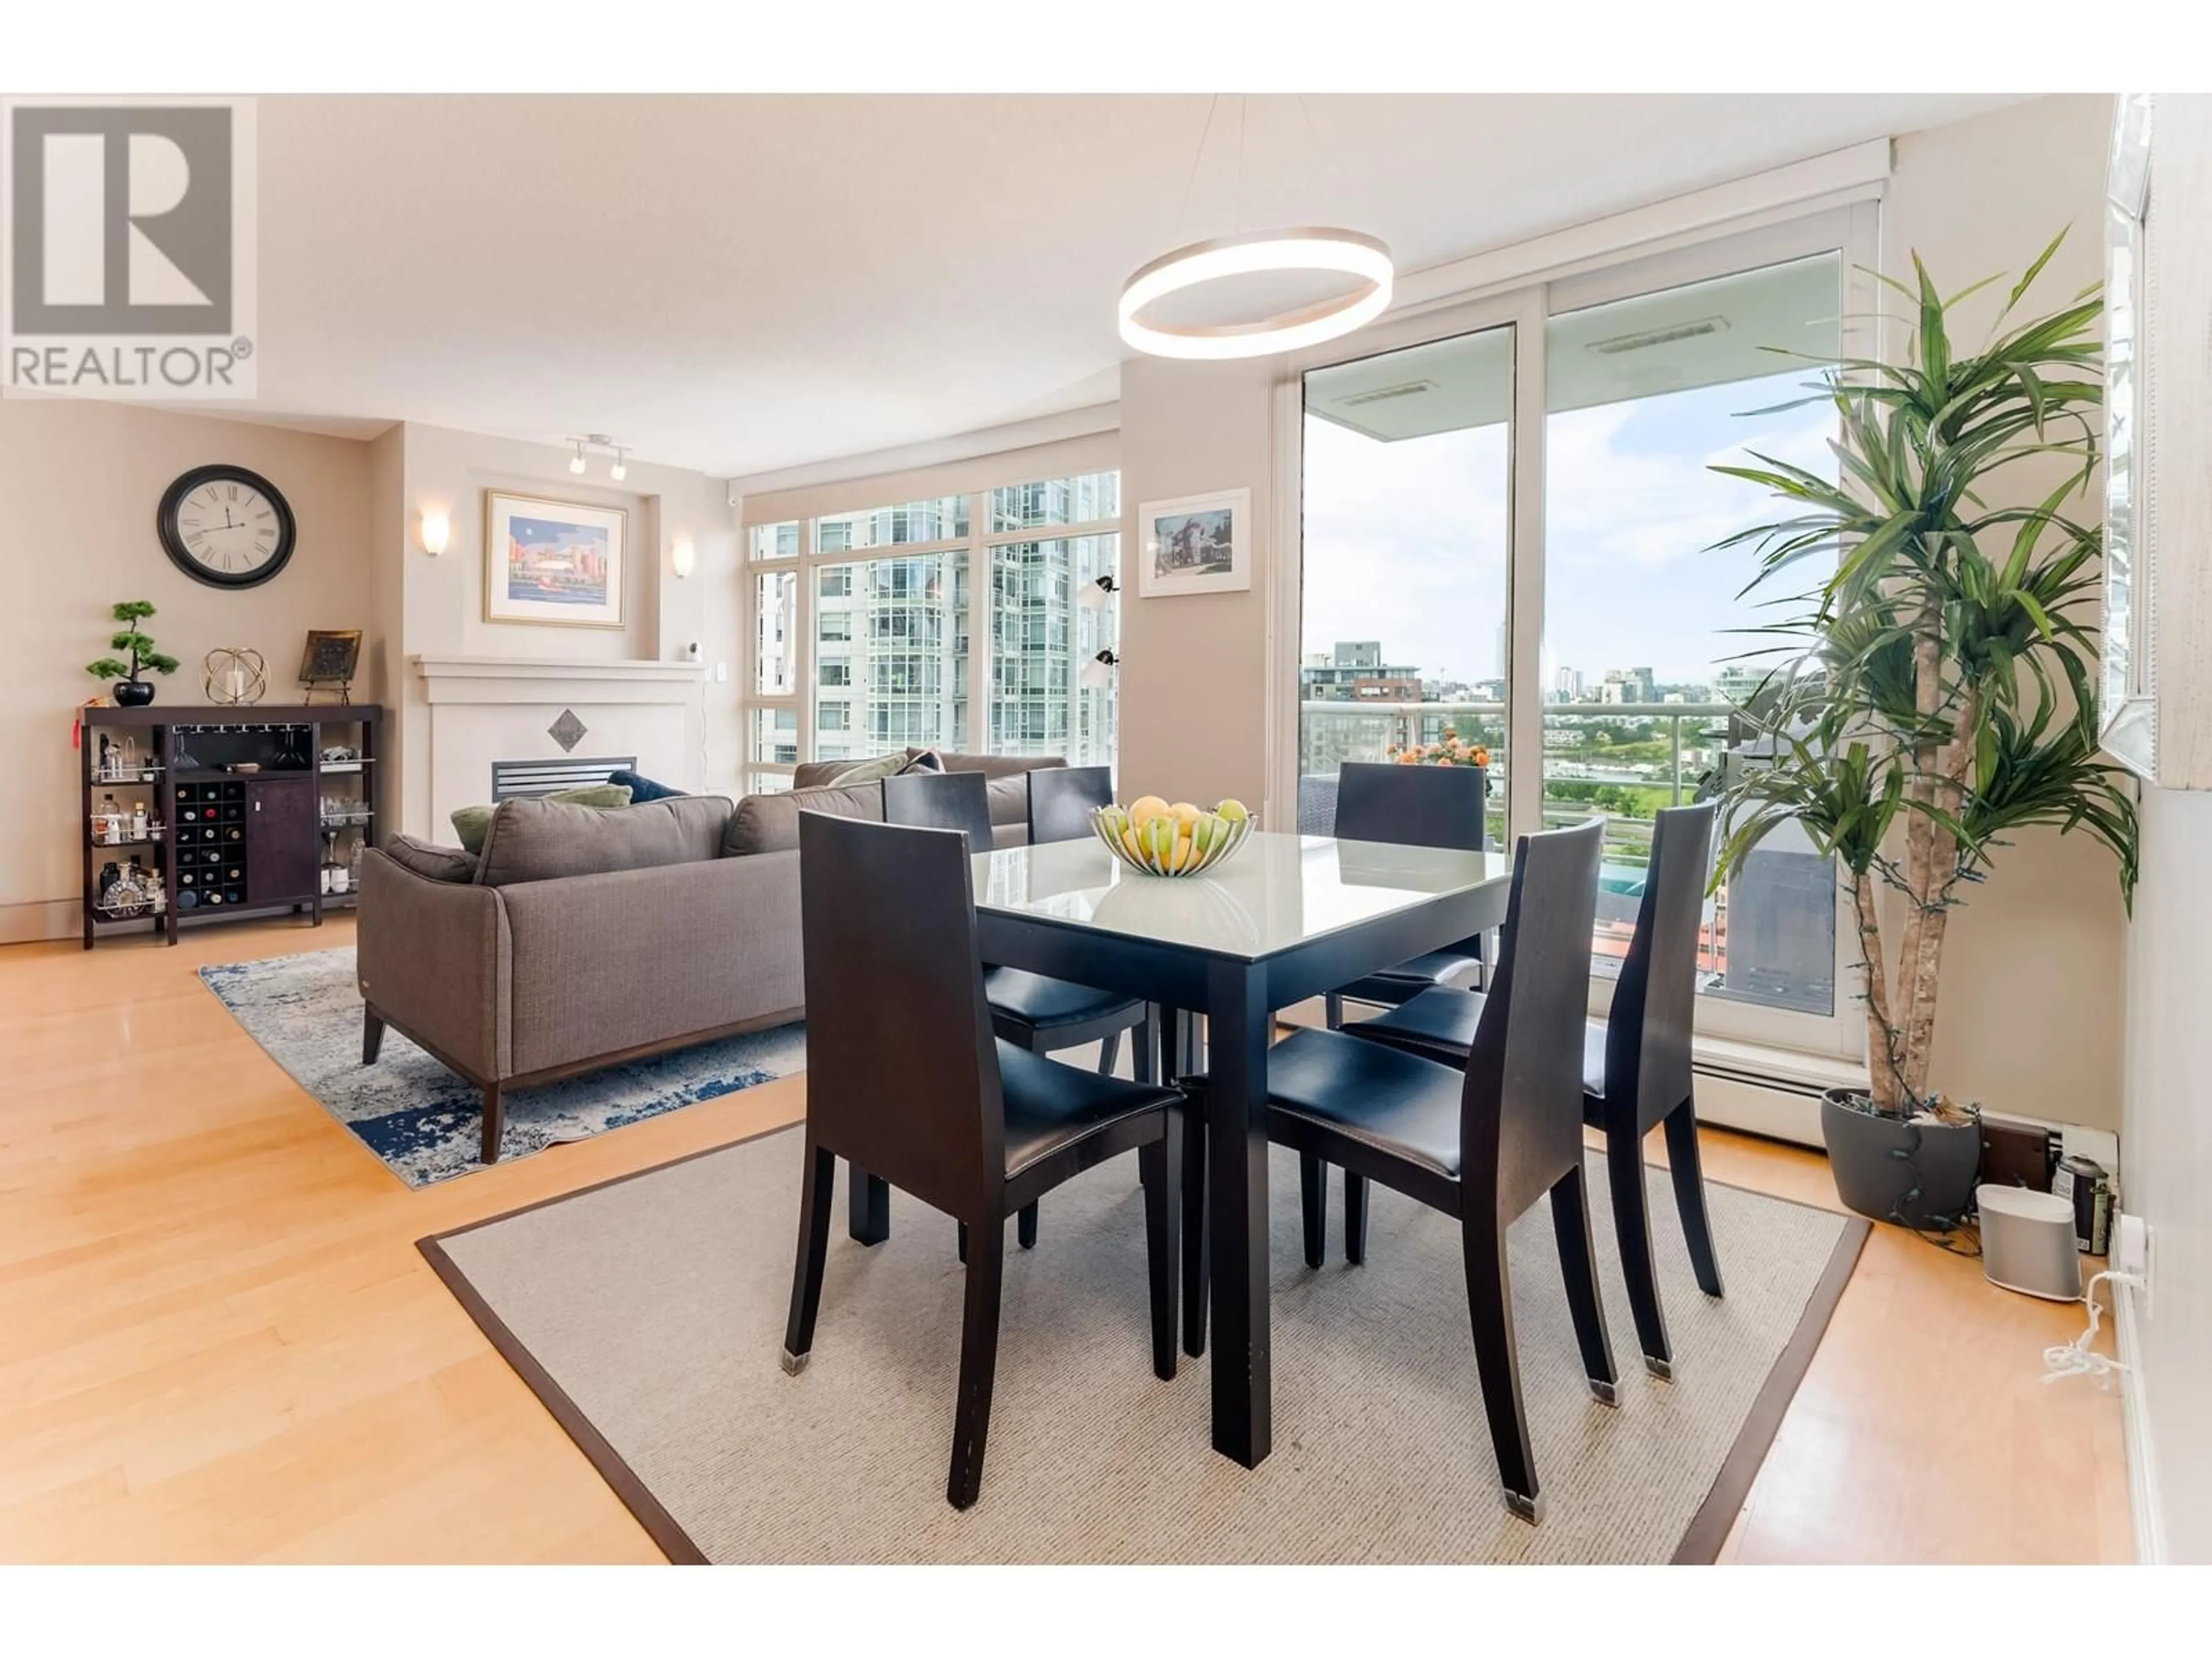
point(1782, 904)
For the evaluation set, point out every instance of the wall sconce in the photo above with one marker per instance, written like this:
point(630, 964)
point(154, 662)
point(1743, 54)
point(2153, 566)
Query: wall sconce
point(683, 558)
point(1099, 671)
point(437, 528)
point(1095, 594)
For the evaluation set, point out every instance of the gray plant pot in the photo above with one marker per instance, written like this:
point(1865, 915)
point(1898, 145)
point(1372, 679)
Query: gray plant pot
point(1919, 1175)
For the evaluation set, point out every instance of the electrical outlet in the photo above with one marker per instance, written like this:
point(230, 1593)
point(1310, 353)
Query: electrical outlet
point(2131, 1253)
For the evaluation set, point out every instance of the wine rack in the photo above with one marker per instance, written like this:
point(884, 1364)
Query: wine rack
point(201, 813)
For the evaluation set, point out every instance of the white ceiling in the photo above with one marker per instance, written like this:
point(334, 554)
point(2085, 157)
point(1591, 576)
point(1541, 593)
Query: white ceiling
point(743, 283)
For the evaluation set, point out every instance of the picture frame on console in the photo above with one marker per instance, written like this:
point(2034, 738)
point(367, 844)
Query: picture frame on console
point(562, 563)
point(1194, 544)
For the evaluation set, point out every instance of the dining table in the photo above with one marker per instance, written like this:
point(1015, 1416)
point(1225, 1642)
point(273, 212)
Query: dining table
point(1285, 919)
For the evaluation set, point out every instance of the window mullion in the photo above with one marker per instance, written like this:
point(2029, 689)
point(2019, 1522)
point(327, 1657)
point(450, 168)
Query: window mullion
point(978, 621)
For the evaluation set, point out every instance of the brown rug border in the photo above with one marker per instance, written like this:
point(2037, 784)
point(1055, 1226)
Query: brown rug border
point(1701, 1541)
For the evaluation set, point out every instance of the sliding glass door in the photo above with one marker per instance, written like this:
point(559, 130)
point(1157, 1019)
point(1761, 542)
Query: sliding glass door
point(1651, 645)
point(1408, 485)
point(1551, 483)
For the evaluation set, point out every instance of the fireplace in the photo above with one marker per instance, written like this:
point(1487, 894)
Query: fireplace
point(512, 778)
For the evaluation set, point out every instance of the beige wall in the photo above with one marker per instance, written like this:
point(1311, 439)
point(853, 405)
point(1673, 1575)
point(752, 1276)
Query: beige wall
point(2167, 1162)
point(441, 600)
point(1194, 679)
point(79, 484)
point(2036, 954)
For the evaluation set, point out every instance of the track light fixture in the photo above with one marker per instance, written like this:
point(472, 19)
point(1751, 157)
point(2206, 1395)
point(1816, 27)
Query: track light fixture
point(591, 440)
point(1099, 671)
point(1096, 592)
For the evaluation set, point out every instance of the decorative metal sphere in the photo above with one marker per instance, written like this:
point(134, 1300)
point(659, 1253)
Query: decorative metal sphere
point(234, 674)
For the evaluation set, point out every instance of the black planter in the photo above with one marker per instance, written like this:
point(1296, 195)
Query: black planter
point(133, 694)
point(1919, 1175)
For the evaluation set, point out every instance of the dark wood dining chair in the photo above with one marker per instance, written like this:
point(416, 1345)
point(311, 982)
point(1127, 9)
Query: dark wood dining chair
point(1412, 807)
point(1028, 1010)
point(1484, 1143)
point(1636, 1064)
point(907, 1079)
point(1063, 799)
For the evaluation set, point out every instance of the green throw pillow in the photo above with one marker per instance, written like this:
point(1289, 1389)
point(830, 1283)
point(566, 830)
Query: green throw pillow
point(867, 771)
point(473, 824)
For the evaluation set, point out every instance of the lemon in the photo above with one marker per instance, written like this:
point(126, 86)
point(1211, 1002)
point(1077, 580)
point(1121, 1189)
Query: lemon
point(1185, 812)
point(1234, 810)
point(1129, 841)
point(1145, 808)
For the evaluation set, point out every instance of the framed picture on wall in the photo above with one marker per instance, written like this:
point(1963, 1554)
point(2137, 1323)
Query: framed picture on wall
point(553, 561)
point(1195, 544)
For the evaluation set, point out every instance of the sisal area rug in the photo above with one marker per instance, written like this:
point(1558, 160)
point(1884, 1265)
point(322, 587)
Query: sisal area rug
point(422, 1120)
point(648, 1314)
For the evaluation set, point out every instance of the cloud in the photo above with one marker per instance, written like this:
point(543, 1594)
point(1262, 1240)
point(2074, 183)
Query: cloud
point(1406, 542)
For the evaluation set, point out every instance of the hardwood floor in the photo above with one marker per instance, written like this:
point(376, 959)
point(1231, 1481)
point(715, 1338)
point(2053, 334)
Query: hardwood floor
point(218, 1343)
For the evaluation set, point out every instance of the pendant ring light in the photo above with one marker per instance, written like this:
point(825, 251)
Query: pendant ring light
point(1311, 249)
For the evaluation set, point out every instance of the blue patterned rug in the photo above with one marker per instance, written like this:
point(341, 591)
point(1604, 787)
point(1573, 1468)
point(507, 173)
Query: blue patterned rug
point(422, 1119)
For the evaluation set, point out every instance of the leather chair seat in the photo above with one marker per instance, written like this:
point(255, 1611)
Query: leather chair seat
point(1042, 1004)
point(1369, 1092)
point(1440, 1024)
point(1051, 1107)
point(1402, 981)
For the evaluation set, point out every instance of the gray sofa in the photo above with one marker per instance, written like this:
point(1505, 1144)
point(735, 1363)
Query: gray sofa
point(581, 937)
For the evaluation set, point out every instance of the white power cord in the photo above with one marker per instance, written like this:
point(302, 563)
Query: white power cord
point(2076, 1358)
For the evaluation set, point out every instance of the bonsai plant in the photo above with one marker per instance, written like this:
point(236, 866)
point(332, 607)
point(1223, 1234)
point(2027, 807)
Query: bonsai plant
point(130, 691)
point(1933, 695)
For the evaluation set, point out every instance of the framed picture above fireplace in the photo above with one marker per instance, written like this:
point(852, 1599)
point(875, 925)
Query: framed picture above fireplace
point(560, 562)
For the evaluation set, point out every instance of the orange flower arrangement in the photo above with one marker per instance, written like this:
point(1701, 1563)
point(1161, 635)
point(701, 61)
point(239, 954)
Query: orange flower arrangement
point(1451, 750)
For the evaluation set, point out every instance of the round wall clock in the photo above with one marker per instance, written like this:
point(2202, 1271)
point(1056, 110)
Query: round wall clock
point(226, 526)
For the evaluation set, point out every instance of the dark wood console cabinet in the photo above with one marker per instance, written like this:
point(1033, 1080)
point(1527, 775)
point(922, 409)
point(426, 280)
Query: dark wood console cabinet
point(223, 810)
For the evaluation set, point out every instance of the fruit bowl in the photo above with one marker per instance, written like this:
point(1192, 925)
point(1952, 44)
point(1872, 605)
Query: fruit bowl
point(1156, 839)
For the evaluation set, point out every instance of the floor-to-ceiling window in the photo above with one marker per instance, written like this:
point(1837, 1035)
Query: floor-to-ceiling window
point(1549, 484)
point(962, 622)
point(1404, 638)
point(1651, 643)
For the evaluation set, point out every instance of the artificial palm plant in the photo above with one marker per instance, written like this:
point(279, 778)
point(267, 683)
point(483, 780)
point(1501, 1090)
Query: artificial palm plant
point(1935, 694)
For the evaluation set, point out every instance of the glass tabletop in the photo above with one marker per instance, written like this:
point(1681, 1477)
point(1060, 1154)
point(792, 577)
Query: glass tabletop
point(1277, 892)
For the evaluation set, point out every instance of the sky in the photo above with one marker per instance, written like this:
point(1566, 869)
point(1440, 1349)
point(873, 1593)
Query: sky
point(1405, 542)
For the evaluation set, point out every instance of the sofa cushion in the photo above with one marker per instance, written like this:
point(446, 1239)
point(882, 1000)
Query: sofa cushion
point(642, 788)
point(541, 839)
point(437, 863)
point(867, 771)
point(472, 823)
point(1010, 799)
point(995, 766)
point(769, 823)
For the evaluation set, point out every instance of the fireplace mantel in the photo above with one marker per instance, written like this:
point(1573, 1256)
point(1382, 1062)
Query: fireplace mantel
point(555, 679)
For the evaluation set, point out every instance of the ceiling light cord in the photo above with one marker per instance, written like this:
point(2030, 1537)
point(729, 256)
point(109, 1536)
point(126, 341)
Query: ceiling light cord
point(1190, 185)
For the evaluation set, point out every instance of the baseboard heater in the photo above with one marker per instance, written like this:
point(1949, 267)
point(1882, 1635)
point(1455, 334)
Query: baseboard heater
point(1736, 1096)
